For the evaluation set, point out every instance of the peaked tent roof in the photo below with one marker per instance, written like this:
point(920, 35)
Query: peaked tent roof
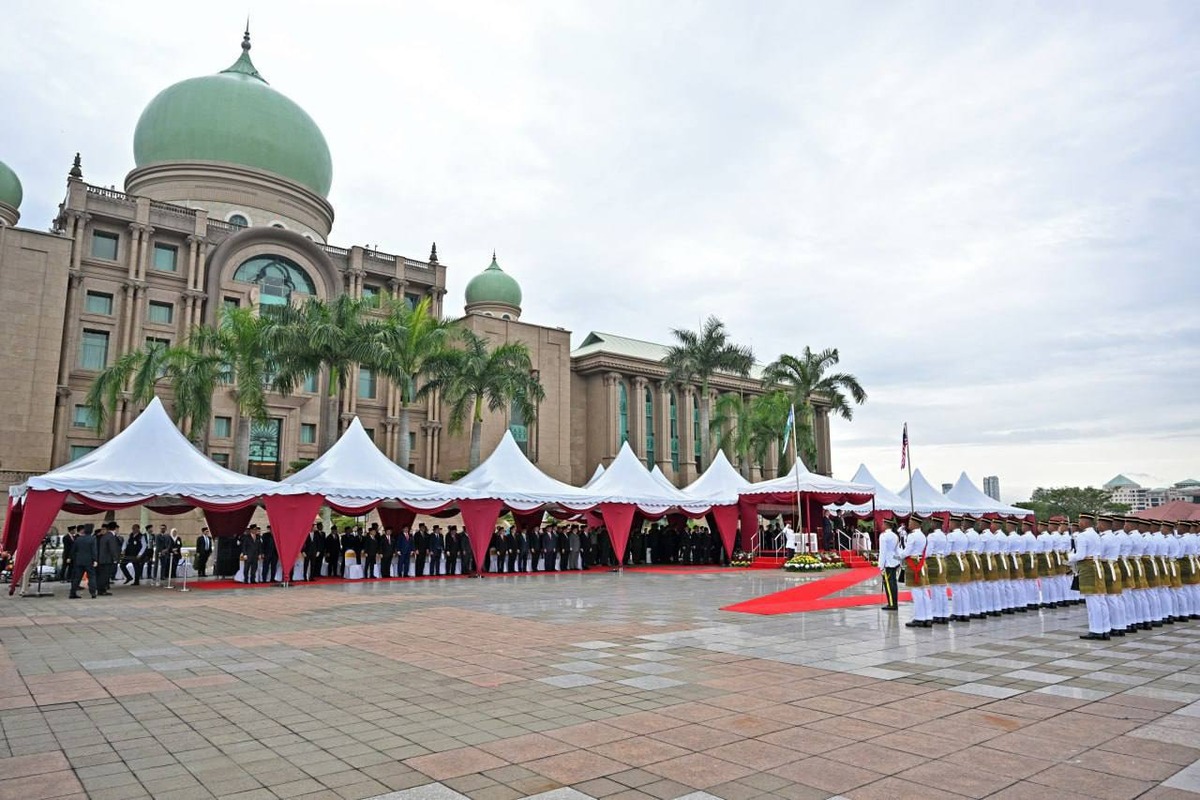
point(627, 481)
point(966, 493)
point(354, 474)
point(509, 476)
point(659, 476)
point(148, 460)
point(595, 475)
point(799, 479)
point(719, 480)
point(885, 498)
point(928, 500)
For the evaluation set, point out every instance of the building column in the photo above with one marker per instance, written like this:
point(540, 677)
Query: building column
point(637, 417)
point(613, 412)
point(687, 435)
point(662, 430)
point(821, 433)
point(62, 423)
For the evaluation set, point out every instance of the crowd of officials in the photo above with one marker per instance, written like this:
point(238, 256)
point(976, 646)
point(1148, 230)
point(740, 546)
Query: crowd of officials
point(92, 556)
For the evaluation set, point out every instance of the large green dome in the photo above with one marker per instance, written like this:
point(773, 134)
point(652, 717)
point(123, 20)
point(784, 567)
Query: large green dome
point(10, 187)
point(494, 285)
point(235, 117)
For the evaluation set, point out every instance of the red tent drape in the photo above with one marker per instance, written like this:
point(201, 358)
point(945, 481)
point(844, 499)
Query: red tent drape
point(12, 526)
point(41, 507)
point(396, 518)
point(726, 518)
point(228, 522)
point(748, 514)
point(618, 518)
point(528, 520)
point(479, 518)
point(291, 517)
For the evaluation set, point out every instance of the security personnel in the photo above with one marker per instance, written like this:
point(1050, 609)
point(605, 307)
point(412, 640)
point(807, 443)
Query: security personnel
point(977, 588)
point(889, 567)
point(958, 570)
point(1087, 563)
point(936, 550)
point(915, 576)
point(1110, 544)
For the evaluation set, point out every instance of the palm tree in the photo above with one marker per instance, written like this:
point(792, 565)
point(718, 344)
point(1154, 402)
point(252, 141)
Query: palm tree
point(411, 340)
point(336, 335)
point(731, 423)
point(237, 345)
point(470, 375)
point(806, 378)
point(696, 358)
point(768, 418)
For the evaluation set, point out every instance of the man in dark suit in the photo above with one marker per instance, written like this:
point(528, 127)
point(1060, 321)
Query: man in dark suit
point(370, 552)
point(387, 549)
point(108, 553)
point(420, 543)
point(129, 556)
point(251, 555)
point(334, 553)
point(496, 553)
point(65, 560)
point(510, 544)
point(270, 558)
point(204, 549)
point(162, 549)
point(437, 546)
point(522, 551)
point(549, 549)
point(404, 551)
point(84, 563)
point(453, 550)
point(563, 548)
point(314, 553)
point(464, 547)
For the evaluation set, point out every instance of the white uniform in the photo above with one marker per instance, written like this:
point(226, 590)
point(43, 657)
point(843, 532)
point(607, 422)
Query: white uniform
point(956, 541)
point(914, 549)
point(1110, 545)
point(1029, 544)
point(889, 558)
point(936, 546)
point(1088, 546)
point(980, 599)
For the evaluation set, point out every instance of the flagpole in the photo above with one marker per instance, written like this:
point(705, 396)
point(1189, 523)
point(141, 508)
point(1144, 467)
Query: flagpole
point(912, 504)
point(796, 455)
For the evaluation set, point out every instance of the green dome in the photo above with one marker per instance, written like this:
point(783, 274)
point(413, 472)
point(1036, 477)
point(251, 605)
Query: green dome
point(10, 187)
point(235, 117)
point(494, 285)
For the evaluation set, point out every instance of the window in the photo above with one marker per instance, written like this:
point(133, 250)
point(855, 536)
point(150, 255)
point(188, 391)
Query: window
point(93, 350)
point(517, 427)
point(99, 303)
point(623, 415)
point(366, 383)
point(162, 313)
point(278, 278)
point(412, 300)
point(674, 433)
point(221, 459)
point(649, 429)
point(166, 257)
point(83, 418)
point(222, 427)
point(370, 433)
point(104, 245)
point(80, 450)
point(239, 220)
point(229, 303)
point(155, 343)
point(308, 433)
point(371, 295)
point(310, 383)
point(412, 441)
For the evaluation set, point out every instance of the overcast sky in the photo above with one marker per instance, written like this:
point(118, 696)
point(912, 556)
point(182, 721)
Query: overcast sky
point(992, 210)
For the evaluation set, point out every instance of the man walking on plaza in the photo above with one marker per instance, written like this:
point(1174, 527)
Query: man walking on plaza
point(84, 563)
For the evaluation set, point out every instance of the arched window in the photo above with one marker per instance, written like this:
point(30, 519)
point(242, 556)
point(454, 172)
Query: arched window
point(622, 415)
point(696, 427)
point(674, 433)
point(239, 220)
point(277, 278)
point(649, 429)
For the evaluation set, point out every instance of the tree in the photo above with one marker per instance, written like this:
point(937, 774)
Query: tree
point(190, 373)
point(335, 336)
point(806, 378)
point(471, 374)
point(1071, 501)
point(731, 424)
point(410, 340)
point(696, 358)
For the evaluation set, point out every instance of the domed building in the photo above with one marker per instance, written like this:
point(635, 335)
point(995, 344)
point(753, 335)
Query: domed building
point(228, 205)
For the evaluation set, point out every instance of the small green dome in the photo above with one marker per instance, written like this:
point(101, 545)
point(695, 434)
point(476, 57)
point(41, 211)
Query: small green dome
point(235, 117)
point(10, 187)
point(494, 285)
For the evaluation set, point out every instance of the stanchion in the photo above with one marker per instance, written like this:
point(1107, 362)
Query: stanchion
point(185, 569)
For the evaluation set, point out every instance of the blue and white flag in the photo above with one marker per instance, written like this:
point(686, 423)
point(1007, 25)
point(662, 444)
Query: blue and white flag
point(787, 431)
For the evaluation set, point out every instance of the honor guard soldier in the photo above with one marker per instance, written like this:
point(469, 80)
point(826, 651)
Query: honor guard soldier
point(1089, 569)
point(914, 575)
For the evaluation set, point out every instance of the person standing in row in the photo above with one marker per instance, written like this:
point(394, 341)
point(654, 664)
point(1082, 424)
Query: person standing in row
point(915, 575)
point(1086, 561)
point(204, 549)
point(437, 546)
point(251, 555)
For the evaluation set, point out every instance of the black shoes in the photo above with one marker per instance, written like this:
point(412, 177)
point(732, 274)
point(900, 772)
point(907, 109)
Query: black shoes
point(72, 597)
point(1098, 637)
point(919, 623)
point(1115, 632)
point(889, 608)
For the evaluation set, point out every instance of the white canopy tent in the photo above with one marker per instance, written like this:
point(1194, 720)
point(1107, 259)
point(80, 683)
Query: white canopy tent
point(659, 476)
point(507, 475)
point(800, 488)
point(967, 493)
point(885, 498)
point(928, 500)
point(595, 475)
point(151, 463)
point(719, 480)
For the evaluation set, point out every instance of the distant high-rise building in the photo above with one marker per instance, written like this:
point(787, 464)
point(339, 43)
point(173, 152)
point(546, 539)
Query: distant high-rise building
point(946, 487)
point(991, 487)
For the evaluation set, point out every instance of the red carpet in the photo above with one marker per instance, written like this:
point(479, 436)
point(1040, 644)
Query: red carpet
point(815, 596)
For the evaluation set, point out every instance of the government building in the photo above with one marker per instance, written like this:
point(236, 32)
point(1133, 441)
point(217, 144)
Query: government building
point(227, 205)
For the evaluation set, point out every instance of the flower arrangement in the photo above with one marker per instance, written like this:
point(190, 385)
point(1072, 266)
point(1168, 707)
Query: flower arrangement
point(741, 558)
point(831, 559)
point(804, 562)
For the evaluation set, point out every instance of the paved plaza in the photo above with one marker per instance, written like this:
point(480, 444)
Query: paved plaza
point(594, 685)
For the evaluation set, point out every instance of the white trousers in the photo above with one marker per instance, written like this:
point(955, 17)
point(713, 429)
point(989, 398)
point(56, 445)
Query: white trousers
point(1097, 613)
point(921, 604)
point(941, 603)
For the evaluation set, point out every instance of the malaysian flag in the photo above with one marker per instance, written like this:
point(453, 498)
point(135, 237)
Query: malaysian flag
point(904, 448)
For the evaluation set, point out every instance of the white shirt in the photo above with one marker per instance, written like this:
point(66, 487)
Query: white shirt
point(889, 549)
point(789, 538)
point(914, 544)
point(1087, 545)
point(936, 544)
point(957, 541)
